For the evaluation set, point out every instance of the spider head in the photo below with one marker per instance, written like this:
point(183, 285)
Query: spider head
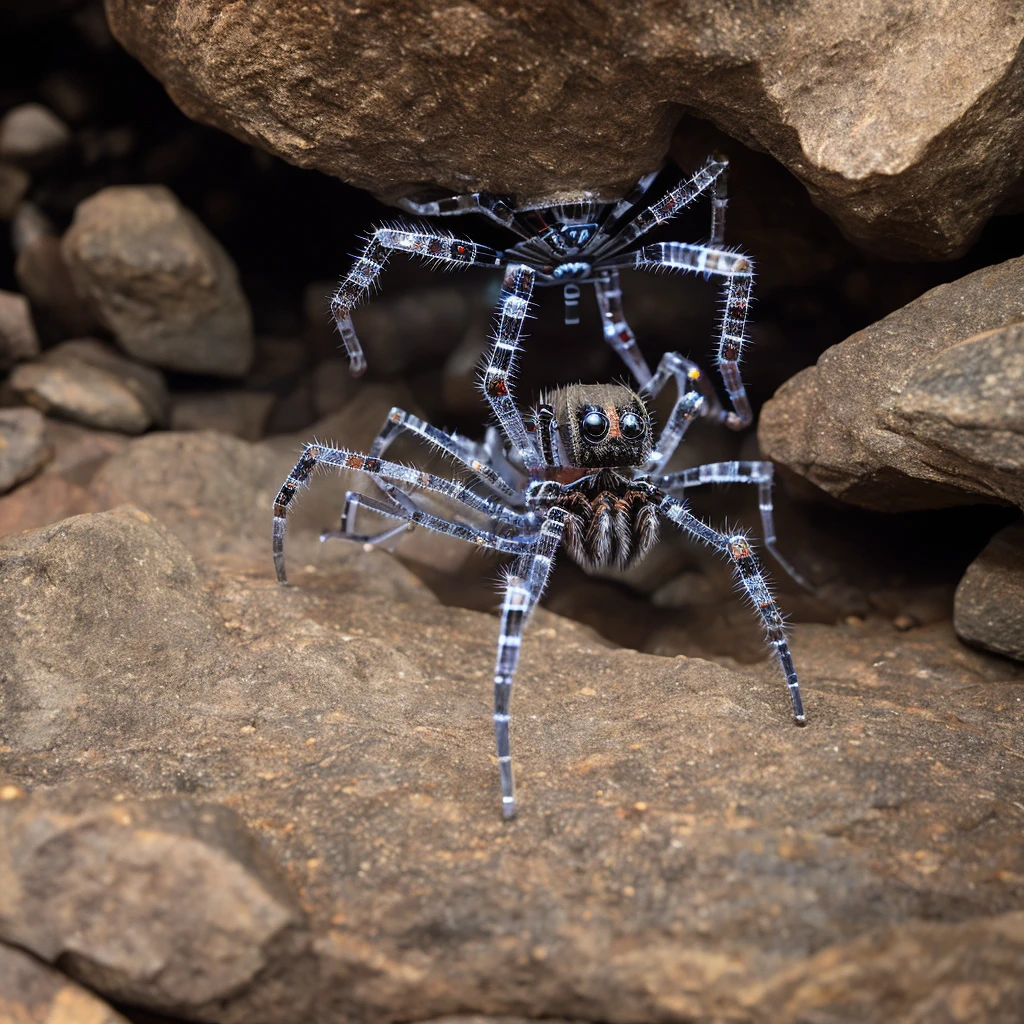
point(603, 426)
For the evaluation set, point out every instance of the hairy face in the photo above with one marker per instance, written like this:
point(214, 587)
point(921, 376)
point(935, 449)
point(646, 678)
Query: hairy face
point(603, 425)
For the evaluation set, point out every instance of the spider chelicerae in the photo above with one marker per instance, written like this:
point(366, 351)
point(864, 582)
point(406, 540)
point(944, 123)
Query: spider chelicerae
point(583, 471)
point(580, 240)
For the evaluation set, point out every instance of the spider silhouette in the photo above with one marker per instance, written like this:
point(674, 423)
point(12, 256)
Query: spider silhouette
point(583, 471)
point(582, 240)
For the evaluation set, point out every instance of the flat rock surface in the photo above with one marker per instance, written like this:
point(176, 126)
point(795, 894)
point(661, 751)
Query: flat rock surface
point(682, 851)
point(903, 122)
point(24, 447)
point(33, 993)
point(989, 603)
point(921, 410)
point(159, 281)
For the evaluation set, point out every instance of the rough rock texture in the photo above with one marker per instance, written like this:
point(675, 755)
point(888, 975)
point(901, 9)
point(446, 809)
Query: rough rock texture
point(160, 281)
point(33, 993)
point(86, 381)
point(18, 338)
point(171, 902)
point(683, 851)
point(902, 121)
point(989, 603)
point(920, 410)
point(23, 446)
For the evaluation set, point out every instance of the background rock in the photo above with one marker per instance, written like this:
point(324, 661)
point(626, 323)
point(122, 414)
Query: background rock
point(89, 383)
point(160, 281)
point(33, 993)
point(902, 124)
point(23, 446)
point(989, 608)
point(918, 410)
point(32, 134)
point(44, 278)
point(14, 183)
point(239, 413)
point(18, 339)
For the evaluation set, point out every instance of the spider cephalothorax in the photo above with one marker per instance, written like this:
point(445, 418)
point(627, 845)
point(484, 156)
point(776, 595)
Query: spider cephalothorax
point(574, 475)
point(576, 240)
point(604, 427)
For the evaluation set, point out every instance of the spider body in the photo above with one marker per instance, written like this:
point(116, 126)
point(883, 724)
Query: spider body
point(579, 240)
point(583, 472)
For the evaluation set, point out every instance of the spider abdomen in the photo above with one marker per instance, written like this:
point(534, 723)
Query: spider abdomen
point(608, 528)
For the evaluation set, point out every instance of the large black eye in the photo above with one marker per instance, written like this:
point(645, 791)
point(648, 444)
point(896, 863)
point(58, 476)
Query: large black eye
point(631, 426)
point(594, 426)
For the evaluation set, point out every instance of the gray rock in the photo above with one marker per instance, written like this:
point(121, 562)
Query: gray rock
point(86, 381)
point(44, 278)
point(160, 281)
point(18, 338)
point(989, 603)
point(33, 993)
point(239, 413)
point(14, 183)
point(920, 410)
point(32, 134)
point(903, 122)
point(24, 447)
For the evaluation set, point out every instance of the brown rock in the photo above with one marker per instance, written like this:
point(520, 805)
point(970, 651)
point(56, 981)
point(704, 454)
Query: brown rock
point(239, 413)
point(24, 447)
point(33, 993)
point(682, 851)
point(904, 124)
point(43, 276)
point(18, 338)
point(14, 183)
point(920, 410)
point(160, 281)
point(84, 393)
point(32, 134)
point(989, 603)
point(165, 903)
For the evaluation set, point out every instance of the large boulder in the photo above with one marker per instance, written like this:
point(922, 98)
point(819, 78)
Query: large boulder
point(903, 121)
point(248, 802)
point(923, 409)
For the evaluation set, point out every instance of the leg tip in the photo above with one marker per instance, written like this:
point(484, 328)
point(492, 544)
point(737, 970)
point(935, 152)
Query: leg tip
point(800, 719)
point(508, 808)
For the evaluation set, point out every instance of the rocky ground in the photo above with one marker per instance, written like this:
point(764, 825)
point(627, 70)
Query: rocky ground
point(223, 800)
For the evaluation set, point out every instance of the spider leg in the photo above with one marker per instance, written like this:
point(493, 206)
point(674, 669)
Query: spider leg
point(523, 589)
point(617, 332)
point(494, 207)
point(670, 204)
point(760, 473)
point(316, 455)
point(354, 501)
point(441, 248)
point(689, 404)
point(753, 579)
point(737, 272)
point(461, 449)
point(500, 368)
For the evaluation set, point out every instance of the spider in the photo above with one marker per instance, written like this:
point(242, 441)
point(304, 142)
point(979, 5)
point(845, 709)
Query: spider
point(583, 472)
point(581, 240)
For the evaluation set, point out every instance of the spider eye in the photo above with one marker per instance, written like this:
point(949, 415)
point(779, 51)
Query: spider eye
point(631, 426)
point(595, 426)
